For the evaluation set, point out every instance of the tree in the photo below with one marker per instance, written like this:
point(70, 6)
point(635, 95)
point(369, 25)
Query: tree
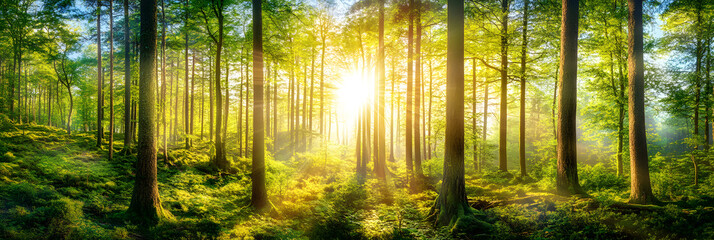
point(409, 129)
point(640, 188)
point(145, 203)
point(100, 82)
point(259, 197)
point(127, 81)
point(524, 56)
point(567, 176)
point(503, 129)
point(216, 7)
point(111, 79)
point(380, 168)
point(451, 204)
point(186, 121)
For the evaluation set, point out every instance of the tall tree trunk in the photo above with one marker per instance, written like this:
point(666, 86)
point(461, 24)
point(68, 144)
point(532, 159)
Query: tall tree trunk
point(240, 110)
point(111, 79)
point(503, 121)
point(127, 81)
point(100, 98)
point(312, 88)
point(163, 80)
point(567, 176)
point(145, 203)
point(524, 56)
point(186, 121)
point(381, 155)
point(640, 189)
point(193, 94)
point(451, 204)
point(259, 197)
point(409, 130)
point(220, 158)
point(419, 174)
point(482, 153)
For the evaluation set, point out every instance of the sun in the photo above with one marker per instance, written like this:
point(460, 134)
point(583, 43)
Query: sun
point(353, 93)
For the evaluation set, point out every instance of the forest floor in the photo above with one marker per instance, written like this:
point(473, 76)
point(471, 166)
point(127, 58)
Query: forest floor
point(55, 186)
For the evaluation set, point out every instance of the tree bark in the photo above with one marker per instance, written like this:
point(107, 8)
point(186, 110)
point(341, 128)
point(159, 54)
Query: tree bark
point(127, 81)
point(567, 175)
point(100, 98)
point(419, 174)
point(524, 56)
point(381, 167)
point(503, 120)
point(451, 204)
point(640, 188)
point(409, 130)
point(145, 203)
point(111, 79)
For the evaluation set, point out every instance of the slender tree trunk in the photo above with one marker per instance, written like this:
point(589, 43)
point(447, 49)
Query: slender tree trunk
point(524, 56)
point(220, 158)
point(240, 112)
point(312, 94)
point(482, 153)
point(641, 190)
point(100, 83)
point(111, 80)
point(503, 120)
point(127, 81)
point(417, 98)
point(145, 203)
point(186, 121)
point(193, 95)
point(381, 167)
point(567, 176)
point(409, 130)
point(163, 80)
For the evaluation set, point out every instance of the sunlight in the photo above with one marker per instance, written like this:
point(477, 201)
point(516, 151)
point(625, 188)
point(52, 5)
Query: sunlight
point(352, 93)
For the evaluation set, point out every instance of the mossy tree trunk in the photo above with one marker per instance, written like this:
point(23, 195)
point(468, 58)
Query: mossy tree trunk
point(567, 175)
point(451, 204)
point(145, 203)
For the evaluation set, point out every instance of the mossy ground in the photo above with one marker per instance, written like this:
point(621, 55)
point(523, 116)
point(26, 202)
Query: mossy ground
point(55, 186)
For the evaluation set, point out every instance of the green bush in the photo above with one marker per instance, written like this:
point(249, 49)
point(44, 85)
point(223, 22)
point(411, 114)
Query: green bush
point(598, 177)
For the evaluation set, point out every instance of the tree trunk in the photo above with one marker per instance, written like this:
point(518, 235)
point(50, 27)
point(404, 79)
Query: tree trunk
point(381, 167)
point(111, 80)
point(220, 158)
point(409, 130)
point(100, 98)
point(524, 56)
point(163, 81)
point(127, 81)
point(186, 121)
point(419, 174)
point(503, 120)
point(451, 204)
point(145, 203)
point(640, 188)
point(567, 176)
point(259, 197)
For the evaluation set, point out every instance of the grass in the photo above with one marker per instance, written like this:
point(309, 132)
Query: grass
point(55, 186)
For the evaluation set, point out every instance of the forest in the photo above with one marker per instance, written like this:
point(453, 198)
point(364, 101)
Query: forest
point(356, 119)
